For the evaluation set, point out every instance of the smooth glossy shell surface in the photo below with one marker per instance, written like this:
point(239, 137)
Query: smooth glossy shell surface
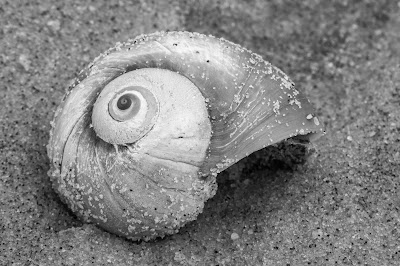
point(204, 103)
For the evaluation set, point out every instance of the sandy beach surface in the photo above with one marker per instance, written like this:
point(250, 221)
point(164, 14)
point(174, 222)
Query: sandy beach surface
point(339, 207)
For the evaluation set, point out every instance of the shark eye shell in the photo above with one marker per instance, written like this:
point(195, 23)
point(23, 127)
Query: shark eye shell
point(138, 141)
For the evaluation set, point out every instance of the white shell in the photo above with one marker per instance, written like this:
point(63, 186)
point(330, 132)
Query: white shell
point(205, 104)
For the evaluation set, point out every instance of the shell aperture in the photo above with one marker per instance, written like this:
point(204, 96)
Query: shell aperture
point(139, 138)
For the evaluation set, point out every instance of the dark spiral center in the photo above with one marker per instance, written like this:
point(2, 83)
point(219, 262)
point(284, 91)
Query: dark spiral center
point(124, 102)
point(124, 106)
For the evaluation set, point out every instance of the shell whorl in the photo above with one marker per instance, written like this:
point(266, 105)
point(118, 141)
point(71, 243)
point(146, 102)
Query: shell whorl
point(145, 172)
point(124, 111)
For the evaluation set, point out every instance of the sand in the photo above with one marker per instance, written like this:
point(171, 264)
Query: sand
point(338, 206)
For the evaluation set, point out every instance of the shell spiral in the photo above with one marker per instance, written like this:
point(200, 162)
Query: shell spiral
point(140, 136)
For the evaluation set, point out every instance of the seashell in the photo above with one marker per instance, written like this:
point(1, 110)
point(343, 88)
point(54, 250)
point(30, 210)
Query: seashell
point(140, 136)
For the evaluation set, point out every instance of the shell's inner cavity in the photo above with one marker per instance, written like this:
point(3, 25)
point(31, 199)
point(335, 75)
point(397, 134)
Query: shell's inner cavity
point(125, 105)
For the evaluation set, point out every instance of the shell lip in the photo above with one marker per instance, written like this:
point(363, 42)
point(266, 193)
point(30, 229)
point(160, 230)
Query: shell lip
point(307, 138)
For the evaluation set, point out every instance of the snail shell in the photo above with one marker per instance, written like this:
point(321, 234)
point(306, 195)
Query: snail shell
point(140, 136)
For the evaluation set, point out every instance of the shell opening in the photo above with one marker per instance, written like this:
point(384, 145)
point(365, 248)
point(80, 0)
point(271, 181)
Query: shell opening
point(125, 105)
